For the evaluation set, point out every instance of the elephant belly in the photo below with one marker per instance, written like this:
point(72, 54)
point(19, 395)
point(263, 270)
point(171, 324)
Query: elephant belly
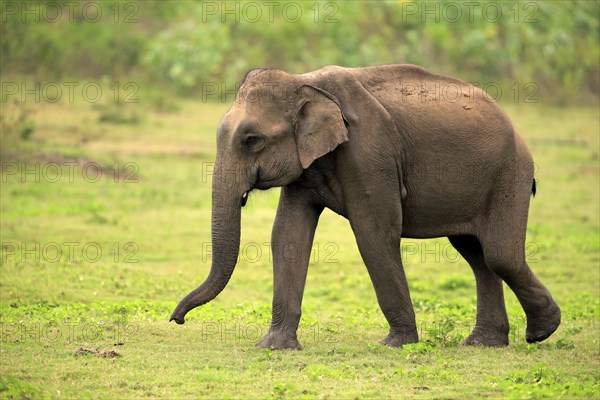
point(422, 221)
point(445, 201)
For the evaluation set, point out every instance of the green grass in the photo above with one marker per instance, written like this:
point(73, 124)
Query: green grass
point(153, 229)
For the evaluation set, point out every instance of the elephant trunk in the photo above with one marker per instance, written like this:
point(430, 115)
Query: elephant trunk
point(226, 217)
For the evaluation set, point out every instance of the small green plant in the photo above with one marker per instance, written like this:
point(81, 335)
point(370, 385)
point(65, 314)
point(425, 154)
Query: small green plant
point(280, 390)
point(318, 372)
point(118, 114)
point(27, 129)
point(565, 344)
point(16, 124)
point(455, 282)
point(414, 349)
point(539, 374)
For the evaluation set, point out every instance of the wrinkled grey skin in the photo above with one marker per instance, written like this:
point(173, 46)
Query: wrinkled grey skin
point(399, 152)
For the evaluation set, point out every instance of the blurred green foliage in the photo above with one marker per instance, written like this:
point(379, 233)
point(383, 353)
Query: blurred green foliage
point(183, 45)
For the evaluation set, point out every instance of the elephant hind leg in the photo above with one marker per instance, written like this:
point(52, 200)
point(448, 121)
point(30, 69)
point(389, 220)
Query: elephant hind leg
point(543, 314)
point(491, 328)
point(504, 254)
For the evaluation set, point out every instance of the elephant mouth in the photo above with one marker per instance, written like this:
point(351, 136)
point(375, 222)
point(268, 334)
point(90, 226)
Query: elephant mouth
point(247, 192)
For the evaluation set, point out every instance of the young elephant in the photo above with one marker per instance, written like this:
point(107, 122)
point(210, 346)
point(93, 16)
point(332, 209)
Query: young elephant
point(399, 152)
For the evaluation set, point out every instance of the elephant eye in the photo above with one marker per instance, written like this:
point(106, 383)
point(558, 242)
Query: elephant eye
point(253, 142)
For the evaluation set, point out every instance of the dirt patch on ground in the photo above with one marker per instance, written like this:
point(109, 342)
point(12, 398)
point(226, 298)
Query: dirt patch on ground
point(98, 353)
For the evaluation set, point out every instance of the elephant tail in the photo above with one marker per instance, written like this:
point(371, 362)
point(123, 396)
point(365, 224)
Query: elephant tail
point(533, 188)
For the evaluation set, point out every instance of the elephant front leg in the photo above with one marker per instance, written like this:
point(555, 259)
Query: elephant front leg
point(291, 243)
point(378, 239)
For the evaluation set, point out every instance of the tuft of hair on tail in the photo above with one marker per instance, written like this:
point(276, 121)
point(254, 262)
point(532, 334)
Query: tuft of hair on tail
point(533, 188)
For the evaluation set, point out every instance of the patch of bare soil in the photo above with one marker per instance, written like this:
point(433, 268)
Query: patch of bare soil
point(98, 353)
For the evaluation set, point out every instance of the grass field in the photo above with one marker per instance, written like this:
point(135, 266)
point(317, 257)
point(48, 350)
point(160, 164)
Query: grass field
point(106, 225)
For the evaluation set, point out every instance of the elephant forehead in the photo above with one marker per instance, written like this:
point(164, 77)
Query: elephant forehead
point(252, 106)
point(253, 117)
point(266, 112)
point(273, 92)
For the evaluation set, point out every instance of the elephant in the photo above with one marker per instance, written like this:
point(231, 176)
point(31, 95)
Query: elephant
point(398, 151)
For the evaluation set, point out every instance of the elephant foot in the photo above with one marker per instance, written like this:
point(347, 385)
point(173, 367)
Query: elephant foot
point(399, 338)
point(487, 336)
point(279, 340)
point(541, 327)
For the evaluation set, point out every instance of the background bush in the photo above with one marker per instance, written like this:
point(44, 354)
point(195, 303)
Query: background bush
point(180, 44)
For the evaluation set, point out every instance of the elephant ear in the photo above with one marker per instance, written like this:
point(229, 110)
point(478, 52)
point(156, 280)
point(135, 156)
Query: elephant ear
point(320, 125)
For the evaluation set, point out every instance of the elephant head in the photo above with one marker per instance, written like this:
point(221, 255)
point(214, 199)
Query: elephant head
point(278, 125)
